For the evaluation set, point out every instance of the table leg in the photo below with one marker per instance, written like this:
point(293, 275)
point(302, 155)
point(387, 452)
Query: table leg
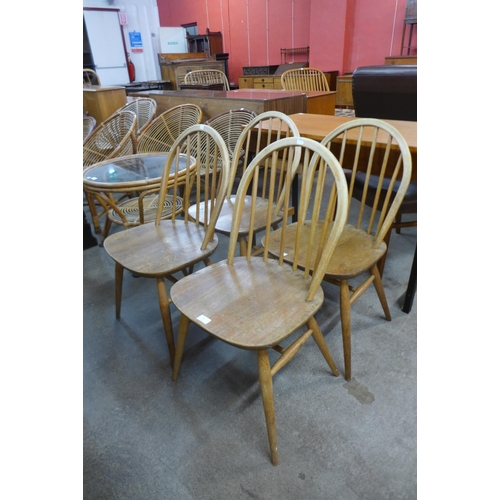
point(412, 285)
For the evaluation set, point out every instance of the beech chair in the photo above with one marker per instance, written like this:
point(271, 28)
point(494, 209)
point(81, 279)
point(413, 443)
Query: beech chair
point(145, 111)
point(304, 79)
point(162, 249)
point(206, 77)
point(114, 137)
point(361, 245)
point(161, 133)
point(258, 303)
point(90, 77)
point(257, 135)
point(89, 124)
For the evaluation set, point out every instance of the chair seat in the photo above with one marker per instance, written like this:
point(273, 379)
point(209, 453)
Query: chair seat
point(130, 208)
point(252, 304)
point(223, 224)
point(353, 254)
point(153, 251)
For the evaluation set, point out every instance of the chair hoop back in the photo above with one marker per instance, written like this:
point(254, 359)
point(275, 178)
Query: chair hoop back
point(357, 145)
point(206, 77)
point(315, 205)
point(145, 110)
point(207, 180)
point(306, 79)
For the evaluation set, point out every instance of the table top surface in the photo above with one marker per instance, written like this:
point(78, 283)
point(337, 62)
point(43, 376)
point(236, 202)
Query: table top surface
point(241, 94)
point(100, 88)
point(139, 170)
point(318, 126)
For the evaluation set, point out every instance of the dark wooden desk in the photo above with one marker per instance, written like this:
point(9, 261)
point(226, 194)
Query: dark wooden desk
point(214, 102)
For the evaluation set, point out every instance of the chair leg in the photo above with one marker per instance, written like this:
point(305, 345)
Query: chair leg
point(377, 283)
point(181, 340)
point(398, 223)
point(118, 288)
point(381, 262)
point(266, 388)
point(165, 316)
point(243, 246)
point(93, 212)
point(320, 342)
point(345, 320)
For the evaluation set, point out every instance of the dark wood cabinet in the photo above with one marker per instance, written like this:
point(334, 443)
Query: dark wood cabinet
point(210, 43)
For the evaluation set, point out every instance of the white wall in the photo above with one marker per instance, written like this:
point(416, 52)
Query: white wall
point(142, 17)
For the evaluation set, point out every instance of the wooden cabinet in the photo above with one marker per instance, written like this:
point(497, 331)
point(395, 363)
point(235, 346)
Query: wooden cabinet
point(101, 102)
point(210, 43)
point(401, 60)
point(344, 91)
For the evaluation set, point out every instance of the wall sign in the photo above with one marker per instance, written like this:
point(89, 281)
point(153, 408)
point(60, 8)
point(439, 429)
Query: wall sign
point(135, 40)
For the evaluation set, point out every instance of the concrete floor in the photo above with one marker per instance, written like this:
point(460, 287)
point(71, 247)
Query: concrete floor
point(204, 436)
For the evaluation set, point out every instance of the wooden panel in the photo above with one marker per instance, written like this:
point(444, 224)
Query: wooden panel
point(344, 91)
point(401, 60)
point(321, 103)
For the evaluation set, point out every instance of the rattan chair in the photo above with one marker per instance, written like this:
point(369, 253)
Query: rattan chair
point(89, 124)
point(306, 79)
point(258, 303)
point(230, 125)
point(145, 111)
point(90, 77)
point(206, 77)
point(162, 249)
point(113, 137)
point(161, 133)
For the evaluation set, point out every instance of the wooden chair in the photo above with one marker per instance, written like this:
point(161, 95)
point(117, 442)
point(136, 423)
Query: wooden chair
point(145, 111)
point(362, 244)
point(257, 303)
point(166, 247)
point(161, 133)
point(112, 138)
point(90, 77)
point(255, 137)
point(304, 79)
point(206, 77)
point(89, 124)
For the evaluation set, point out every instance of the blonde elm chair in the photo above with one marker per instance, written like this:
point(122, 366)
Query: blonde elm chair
point(206, 77)
point(304, 79)
point(353, 265)
point(112, 138)
point(162, 132)
point(262, 130)
point(262, 303)
point(166, 247)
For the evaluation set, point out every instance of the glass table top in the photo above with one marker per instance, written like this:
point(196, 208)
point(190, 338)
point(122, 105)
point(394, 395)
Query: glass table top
point(130, 169)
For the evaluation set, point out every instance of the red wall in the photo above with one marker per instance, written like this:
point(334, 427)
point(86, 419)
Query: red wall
point(341, 34)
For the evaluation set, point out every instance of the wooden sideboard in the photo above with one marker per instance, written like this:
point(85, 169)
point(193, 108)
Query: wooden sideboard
point(401, 60)
point(274, 81)
point(174, 67)
point(101, 102)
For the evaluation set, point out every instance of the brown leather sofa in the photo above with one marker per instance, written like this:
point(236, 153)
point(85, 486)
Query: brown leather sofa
point(388, 91)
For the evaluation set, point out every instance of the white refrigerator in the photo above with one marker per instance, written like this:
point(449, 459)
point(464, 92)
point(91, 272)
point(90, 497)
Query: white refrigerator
point(173, 40)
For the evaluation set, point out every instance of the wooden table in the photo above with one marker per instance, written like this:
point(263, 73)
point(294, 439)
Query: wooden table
point(126, 174)
point(317, 127)
point(101, 102)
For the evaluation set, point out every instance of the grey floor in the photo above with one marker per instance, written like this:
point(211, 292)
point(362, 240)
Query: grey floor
point(204, 436)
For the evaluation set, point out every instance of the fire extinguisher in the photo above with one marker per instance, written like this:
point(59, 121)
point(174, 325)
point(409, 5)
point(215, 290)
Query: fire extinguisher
point(131, 68)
